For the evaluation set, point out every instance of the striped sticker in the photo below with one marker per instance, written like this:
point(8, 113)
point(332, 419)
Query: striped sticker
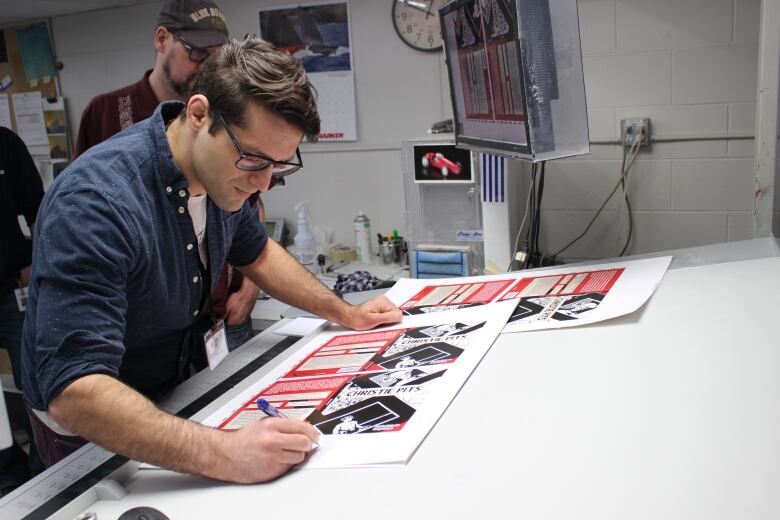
point(493, 178)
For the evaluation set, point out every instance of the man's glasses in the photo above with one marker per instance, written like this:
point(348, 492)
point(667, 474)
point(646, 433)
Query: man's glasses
point(196, 54)
point(252, 162)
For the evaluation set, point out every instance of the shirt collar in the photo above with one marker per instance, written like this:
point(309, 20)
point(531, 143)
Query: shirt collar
point(170, 175)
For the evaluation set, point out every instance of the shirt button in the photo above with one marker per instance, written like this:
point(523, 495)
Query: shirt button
point(168, 189)
point(195, 312)
point(195, 279)
point(182, 193)
point(189, 247)
point(181, 209)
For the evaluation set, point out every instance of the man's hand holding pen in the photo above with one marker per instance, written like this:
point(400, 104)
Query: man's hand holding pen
point(264, 450)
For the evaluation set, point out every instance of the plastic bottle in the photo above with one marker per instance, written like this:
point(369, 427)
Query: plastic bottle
point(363, 238)
point(304, 240)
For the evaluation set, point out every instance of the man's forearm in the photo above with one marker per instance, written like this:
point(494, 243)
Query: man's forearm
point(238, 306)
point(248, 289)
point(281, 276)
point(113, 415)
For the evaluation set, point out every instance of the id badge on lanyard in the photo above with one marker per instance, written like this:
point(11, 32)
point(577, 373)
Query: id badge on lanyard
point(21, 298)
point(216, 344)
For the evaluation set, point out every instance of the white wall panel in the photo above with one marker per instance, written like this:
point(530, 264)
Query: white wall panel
point(713, 185)
point(740, 226)
point(628, 79)
point(680, 229)
point(746, 17)
point(599, 17)
point(657, 25)
point(715, 75)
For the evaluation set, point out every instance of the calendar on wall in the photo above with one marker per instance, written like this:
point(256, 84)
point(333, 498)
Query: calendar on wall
point(318, 35)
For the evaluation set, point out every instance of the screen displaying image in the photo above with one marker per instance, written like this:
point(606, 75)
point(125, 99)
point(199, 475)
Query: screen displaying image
point(483, 56)
point(441, 163)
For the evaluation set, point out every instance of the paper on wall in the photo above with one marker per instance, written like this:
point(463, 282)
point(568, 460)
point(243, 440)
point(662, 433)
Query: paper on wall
point(28, 111)
point(5, 112)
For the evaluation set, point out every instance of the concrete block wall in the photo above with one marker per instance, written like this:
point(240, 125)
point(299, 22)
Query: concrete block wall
point(690, 66)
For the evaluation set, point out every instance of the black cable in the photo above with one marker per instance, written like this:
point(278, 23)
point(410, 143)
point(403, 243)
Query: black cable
point(534, 251)
point(529, 234)
point(540, 190)
point(535, 221)
point(526, 247)
point(535, 239)
point(623, 180)
point(516, 248)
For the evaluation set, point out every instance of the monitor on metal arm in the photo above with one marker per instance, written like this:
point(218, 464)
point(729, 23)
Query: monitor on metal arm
point(515, 74)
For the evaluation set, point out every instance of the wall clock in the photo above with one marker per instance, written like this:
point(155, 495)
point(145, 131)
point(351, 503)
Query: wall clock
point(417, 23)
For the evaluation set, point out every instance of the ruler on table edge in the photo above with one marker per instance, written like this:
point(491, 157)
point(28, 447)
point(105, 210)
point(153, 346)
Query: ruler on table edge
point(54, 489)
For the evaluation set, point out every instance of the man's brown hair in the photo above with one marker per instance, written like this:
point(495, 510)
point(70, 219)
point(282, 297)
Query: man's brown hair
point(255, 70)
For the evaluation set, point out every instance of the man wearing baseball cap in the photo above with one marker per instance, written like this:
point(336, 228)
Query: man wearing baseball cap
point(187, 32)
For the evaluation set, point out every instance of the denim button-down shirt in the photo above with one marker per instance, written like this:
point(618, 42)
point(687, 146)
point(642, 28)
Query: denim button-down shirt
point(116, 279)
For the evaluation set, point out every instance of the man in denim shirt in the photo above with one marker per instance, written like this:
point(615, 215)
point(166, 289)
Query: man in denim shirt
point(126, 240)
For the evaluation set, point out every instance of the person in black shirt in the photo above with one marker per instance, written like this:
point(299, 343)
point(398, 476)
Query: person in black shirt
point(21, 192)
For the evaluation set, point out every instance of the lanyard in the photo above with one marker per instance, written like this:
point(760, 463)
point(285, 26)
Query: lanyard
point(205, 277)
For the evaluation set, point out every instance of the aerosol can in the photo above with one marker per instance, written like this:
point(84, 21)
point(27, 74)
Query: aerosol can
point(363, 238)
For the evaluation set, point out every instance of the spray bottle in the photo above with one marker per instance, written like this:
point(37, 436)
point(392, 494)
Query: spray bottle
point(304, 240)
point(362, 237)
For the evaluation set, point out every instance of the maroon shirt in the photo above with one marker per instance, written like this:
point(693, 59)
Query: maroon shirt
point(110, 113)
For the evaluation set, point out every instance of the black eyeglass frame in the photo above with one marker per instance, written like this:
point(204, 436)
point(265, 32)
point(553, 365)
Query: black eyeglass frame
point(267, 161)
point(190, 48)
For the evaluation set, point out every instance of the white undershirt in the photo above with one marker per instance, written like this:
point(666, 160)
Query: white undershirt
point(197, 207)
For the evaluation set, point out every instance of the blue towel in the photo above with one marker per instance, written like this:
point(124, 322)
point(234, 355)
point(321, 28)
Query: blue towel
point(439, 257)
point(431, 268)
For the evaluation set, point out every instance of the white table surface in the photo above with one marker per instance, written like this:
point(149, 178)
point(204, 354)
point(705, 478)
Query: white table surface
point(670, 413)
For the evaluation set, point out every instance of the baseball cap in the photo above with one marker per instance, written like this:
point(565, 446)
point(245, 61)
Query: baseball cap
point(200, 22)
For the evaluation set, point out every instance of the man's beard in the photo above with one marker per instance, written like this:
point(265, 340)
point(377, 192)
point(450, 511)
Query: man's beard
point(182, 88)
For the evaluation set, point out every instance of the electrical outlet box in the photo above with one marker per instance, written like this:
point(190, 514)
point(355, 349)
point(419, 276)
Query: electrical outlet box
point(635, 128)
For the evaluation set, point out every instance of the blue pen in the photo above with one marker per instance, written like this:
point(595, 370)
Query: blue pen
point(269, 409)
